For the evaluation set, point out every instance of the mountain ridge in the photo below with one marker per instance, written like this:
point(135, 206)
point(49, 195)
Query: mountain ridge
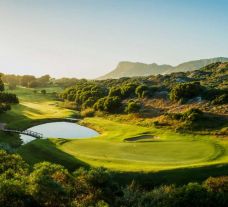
point(132, 69)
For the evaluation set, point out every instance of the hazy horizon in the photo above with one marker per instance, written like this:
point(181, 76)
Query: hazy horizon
point(87, 39)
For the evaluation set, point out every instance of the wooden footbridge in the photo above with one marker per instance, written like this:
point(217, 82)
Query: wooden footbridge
point(25, 132)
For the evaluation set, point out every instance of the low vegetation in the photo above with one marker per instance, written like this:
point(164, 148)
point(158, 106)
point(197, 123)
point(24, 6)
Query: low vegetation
point(51, 185)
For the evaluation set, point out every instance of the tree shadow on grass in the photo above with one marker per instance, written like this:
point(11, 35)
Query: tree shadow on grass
point(175, 176)
point(44, 150)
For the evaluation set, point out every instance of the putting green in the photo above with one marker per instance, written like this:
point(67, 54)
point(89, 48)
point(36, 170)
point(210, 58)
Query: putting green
point(167, 150)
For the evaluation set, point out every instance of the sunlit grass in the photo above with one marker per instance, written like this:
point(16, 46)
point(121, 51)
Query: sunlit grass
point(167, 151)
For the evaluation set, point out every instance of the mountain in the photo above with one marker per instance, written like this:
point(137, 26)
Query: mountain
point(131, 69)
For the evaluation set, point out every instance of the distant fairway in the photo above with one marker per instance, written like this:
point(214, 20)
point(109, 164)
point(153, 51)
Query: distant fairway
point(33, 108)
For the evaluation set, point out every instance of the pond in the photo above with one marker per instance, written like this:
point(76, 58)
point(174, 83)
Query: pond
point(62, 129)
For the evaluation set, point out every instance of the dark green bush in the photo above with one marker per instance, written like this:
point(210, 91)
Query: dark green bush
point(8, 98)
point(133, 107)
point(112, 104)
point(185, 91)
point(223, 99)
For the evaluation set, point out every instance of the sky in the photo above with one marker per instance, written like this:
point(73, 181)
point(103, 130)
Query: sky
point(87, 38)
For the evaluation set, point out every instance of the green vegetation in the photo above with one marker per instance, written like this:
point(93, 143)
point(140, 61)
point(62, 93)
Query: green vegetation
point(185, 91)
point(51, 185)
point(163, 151)
point(34, 108)
point(160, 131)
point(6, 99)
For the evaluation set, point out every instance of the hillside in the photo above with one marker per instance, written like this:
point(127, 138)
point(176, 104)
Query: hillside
point(131, 69)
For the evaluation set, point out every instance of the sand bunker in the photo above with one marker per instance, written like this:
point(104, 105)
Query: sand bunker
point(141, 138)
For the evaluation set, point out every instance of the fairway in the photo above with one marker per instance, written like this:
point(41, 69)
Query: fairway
point(34, 108)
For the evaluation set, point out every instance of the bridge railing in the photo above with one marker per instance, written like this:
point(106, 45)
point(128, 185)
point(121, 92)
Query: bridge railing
point(26, 132)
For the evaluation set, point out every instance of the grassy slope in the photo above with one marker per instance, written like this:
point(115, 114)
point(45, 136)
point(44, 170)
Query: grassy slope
point(33, 108)
point(170, 150)
point(171, 158)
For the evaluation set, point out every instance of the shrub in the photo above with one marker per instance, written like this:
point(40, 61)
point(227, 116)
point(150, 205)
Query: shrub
point(43, 91)
point(219, 184)
point(132, 107)
point(4, 107)
point(89, 112)
point(223, 99)
point(128, 90)
point(192, 115)
point(2, 88)
point(49, 184)
point(115, 91)
point(185, 91)
point(8, 98)
point(99, 105)
point(141, 91)
point(112, 104)
point(89, 103)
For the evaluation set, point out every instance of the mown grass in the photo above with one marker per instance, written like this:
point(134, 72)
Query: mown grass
point(34, 108)
point(168, 150)
point(169, 158)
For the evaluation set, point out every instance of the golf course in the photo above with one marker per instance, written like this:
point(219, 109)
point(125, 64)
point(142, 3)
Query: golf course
point(120, 146)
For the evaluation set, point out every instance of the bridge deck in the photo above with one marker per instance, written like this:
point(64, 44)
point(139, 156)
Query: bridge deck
point(25, 132)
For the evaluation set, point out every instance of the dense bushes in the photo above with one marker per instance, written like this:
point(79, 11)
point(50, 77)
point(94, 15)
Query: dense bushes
point(110, 104)
point(222, 99)
point(51, 185)
point(196, 120)
point(144, 91)
point(101, 97)
point(191, 115)
point(1, 85)
point(185, 91)
point(8, 98)
point(133, 106)
point(4, 107)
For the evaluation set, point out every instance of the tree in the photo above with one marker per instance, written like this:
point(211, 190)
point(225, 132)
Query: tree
point(112, 104)
point(49, 184)
point(26, 79)
point(4, 107)
point(99, 105)
point(115, 91)
point(143, 91)
point(219, 184)
point(12, 86)
point(128, 90)
point(89, 103)
point(43, 80)
point(12, 162)
point(13, 193)
point(223, 99)
point(8, 98)
point(1, 85)
point(132, 106)
point(43, 91)
point(185, 91)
